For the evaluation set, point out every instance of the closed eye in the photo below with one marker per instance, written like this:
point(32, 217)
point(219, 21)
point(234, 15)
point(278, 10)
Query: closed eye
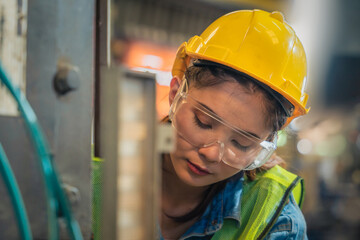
point(201, 124)
point(239, 146)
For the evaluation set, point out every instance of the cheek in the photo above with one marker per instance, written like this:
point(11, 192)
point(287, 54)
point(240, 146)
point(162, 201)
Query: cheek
point(181, 145)
point(228, 171)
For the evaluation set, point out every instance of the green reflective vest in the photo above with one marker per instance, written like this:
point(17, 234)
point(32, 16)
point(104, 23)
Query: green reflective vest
point(261, 204)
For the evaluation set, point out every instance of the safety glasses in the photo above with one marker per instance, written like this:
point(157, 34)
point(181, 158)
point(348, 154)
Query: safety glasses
point(202, 128)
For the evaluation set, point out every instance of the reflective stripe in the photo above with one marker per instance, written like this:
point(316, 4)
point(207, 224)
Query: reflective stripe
point(298, 193)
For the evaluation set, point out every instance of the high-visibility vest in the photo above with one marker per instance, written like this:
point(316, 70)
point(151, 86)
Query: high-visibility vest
point(261, 204)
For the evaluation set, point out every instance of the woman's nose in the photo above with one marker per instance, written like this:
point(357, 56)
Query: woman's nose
point(213, 152)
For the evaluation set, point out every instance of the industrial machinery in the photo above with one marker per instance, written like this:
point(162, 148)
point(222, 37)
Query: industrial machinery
point(82, 155)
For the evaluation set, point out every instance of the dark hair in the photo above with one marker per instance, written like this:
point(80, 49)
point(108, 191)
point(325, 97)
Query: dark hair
point(205, 75)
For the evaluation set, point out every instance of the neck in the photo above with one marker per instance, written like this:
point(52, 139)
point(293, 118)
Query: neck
point(178, 198)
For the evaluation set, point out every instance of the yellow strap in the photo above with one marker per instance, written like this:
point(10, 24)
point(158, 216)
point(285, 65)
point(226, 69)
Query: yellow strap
point(285, 179)
point(280, 175)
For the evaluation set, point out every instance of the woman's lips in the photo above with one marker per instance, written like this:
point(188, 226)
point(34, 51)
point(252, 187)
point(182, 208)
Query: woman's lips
point(197, 169)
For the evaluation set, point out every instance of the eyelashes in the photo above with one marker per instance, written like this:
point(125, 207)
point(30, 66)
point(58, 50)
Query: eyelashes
point(200, 123)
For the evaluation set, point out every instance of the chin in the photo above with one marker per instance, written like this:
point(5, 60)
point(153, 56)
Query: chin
point(195, 181)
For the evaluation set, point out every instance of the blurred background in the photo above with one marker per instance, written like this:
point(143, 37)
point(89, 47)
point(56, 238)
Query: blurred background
point(139, 39)
point(324, 146)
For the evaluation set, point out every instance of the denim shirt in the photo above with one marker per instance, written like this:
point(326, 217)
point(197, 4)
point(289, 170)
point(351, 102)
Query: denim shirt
point(226, 205)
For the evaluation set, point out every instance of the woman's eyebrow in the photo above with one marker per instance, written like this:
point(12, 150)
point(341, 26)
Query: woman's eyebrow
point(209, 109)
point(217, 116)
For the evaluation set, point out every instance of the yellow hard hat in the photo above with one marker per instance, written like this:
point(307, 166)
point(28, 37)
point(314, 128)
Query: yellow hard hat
point(257, 43)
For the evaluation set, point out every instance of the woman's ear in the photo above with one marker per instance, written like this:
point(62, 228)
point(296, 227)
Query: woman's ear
point(174, 86)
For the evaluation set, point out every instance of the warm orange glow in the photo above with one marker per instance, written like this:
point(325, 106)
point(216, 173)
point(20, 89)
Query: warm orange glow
point(149, 55)
point(137, 54)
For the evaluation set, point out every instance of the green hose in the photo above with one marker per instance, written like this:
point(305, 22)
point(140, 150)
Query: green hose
point(15, 195)
point(57, 201)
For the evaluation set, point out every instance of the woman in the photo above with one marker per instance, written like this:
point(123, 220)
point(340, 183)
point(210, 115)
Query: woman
point(233, 88)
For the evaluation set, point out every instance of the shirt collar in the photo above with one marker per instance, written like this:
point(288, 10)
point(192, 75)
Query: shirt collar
point(225, 205)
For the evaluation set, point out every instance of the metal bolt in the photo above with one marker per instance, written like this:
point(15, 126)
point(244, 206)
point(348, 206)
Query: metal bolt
point(66, 80)
point(72, 193)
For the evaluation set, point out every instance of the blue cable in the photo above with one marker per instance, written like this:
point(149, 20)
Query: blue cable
point(15, 195)
point(57, 201)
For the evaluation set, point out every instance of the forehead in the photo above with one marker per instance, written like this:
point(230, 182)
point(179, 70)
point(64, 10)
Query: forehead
point(235, 104)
